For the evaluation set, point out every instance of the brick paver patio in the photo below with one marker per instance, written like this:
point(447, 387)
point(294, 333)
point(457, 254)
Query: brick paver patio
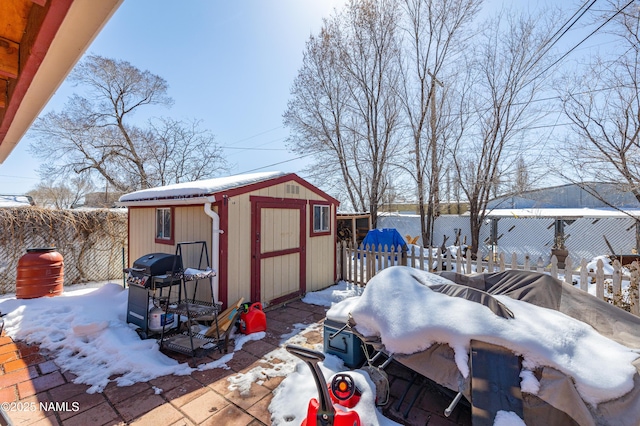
point(29, 377)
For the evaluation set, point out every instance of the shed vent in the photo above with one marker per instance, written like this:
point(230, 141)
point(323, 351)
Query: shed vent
point(293, 189)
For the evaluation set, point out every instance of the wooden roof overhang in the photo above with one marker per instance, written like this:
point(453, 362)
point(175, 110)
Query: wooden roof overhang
point(40, 42)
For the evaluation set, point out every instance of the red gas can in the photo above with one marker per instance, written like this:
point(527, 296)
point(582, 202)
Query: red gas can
point(252, 318)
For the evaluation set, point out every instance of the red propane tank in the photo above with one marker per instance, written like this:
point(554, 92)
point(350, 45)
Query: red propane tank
point(40, 273)
point(252, 318)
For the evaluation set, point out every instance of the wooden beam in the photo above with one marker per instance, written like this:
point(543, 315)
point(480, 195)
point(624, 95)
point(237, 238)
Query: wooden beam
point(42, 25)
point(9, 58)
point(3, 93)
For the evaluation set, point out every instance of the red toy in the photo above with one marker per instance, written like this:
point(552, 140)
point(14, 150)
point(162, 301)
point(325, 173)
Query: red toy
point(343, 391)
point(342, 388)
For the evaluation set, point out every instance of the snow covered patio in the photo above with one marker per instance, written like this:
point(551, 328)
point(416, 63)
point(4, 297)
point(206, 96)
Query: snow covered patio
point(28, 376)
point(73, 359)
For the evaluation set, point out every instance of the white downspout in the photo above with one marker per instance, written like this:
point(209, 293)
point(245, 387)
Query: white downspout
point(215, 245)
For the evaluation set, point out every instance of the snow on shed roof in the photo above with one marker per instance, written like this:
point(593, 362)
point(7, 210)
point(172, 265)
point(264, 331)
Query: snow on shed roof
point(199, 188)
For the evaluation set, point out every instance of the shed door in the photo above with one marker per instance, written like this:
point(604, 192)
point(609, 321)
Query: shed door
point(278, 252)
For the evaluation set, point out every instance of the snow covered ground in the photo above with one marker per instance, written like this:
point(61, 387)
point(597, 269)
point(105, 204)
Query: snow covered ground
point(85, 328)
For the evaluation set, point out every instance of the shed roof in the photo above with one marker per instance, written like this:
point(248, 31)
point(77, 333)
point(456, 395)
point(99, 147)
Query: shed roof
point(198, 191)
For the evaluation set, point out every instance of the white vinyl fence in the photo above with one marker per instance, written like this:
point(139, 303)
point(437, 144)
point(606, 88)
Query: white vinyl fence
point(357, 265)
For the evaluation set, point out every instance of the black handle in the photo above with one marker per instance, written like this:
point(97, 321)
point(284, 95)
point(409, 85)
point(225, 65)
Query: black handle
point(326, 413)
point(345, 346)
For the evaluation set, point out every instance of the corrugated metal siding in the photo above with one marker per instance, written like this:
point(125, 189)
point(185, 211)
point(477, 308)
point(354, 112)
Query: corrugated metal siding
point(526, 236)
point(444, 225)
point(532, 236)
point(585, 237)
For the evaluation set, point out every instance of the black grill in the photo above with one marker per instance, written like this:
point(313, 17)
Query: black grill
point(154, 269)
point(149, 272)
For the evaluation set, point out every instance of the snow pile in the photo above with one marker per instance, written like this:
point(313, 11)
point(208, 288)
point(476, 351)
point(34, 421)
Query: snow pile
point(88, 335)
point(409, 317)
point(291, 398)
point(333, 294)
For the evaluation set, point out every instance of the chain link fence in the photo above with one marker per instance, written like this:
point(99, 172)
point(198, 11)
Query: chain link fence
point(92, 242)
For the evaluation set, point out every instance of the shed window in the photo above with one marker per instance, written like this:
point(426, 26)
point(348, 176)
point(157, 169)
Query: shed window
point(321, 218)
point(164, 229)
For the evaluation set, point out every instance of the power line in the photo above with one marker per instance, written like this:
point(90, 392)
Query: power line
point(254, 149)
point(257, 134)
point(276, 164)
point(584, 39)
point(553, 37)
point(19, 177)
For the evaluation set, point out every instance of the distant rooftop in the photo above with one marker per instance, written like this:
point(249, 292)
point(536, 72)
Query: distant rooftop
point(15, 201)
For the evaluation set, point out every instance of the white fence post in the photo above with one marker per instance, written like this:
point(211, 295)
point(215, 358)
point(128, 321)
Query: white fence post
point(634, 294)
point(554, 266)
point(568, 271)
point(600, 280)
point(584, 275)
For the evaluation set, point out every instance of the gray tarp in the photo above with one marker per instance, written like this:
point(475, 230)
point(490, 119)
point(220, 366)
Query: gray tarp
point(557, 402)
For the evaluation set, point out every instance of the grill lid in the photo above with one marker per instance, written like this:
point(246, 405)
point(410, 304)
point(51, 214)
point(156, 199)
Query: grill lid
point(157, 263)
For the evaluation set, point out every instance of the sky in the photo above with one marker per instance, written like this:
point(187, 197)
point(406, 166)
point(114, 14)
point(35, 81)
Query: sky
point(229, 64)
point(86, 327)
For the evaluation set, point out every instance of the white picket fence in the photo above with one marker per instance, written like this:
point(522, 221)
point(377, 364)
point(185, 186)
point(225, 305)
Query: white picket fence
point(357, 265)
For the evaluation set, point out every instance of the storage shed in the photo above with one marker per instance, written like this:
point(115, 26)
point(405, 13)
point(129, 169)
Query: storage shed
point(271, 236)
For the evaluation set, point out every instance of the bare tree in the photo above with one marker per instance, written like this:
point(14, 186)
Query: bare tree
point(344, 108)
point(95, 134)
point(521, 183)
point(497, 107)
point(434, 31)
point(181, 151)
point(61, 195)
point(603, 106)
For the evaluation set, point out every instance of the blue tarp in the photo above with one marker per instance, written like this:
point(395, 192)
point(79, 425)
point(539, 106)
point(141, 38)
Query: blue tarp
point(389, 237)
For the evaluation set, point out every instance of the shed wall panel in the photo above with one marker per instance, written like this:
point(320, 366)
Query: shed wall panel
point(280, 229)
point(190, 224)
point(239, 248)
point(320, 262)
point(280, 276)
